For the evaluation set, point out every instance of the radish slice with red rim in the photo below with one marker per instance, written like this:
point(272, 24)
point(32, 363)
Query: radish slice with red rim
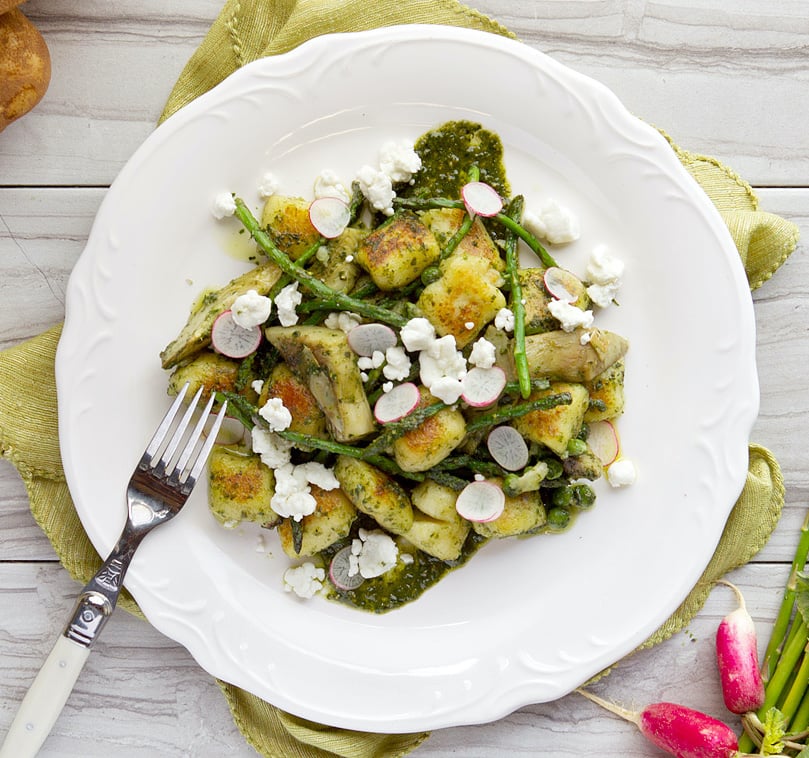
point(232, 340)
point(480, 501)
point(482, 386)
point(231, 431)
point(329, 216)
point(366, 339)
point(604, 441)
point(481, 199)
point(562, 284)
point(338, 571)
point(402, 400)
point(508, 448)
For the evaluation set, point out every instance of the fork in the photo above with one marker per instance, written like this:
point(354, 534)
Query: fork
point(158, 489)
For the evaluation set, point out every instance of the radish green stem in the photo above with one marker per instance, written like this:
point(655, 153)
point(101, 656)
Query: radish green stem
point(311, 283)
point(517, 305)
point(801, 719)
point(795, 693)
point(624, 713)
point(789, 658)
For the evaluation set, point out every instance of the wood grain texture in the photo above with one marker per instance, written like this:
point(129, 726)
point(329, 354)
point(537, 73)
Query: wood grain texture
point(723, 77)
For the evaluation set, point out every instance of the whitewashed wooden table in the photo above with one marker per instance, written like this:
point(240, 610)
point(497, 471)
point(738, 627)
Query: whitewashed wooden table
point(728, 78)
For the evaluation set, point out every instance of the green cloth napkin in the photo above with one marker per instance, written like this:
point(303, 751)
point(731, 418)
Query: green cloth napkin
point(244, 31)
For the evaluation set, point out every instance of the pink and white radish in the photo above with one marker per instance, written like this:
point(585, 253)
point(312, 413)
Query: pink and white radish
point(402, 400)
point(561, 284)
point(230, 432)
point(329, 216)
point(339, 571)
point(508, 448)
point(604, 441)
point(366, 339)
point(482, 386)
point(678, 730)
point(481, 199)
point(480, 501)
point(737, 658)
point(232, 340)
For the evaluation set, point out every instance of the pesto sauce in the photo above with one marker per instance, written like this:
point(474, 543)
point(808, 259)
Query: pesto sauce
point(403, 583)
point(448, 152)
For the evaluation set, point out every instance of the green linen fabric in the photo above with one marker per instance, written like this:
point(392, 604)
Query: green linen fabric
point(249, 29)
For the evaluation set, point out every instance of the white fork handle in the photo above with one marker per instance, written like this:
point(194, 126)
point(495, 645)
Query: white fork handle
point(45, 699)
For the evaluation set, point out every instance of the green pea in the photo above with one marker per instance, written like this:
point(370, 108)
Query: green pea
point(562, 497)
point(583, 496)
point(430, 275)
point(576, 446)
point(558, 518)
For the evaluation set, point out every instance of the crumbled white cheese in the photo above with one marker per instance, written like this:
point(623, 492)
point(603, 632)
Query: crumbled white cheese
point(622, 473)
point(377, 188)
point(285, 303)
point(504, 320)
point(276, 414)
point(292, 497)
point(552, 222)
point(322, 254)
point(387, 387)
point(447, 389)
point(327, 184)
point(585, 338)
point(407, 558)
point(569, 316)
point(366, 363)
point(483, 354)
point(469, 325)
point(268, 185)
point(364, 376)
point(417, 334)
point(251, 309)
point(223, 205)
point(605, 272)
point(257, 385)
point(397, 364)
point(372, 554)
point(274, 450)
point(317, 474)
point(345, 321)
point(305, 580)
point(399, 160)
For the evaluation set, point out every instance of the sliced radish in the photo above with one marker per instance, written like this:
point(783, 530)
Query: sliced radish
point(481, 199)
point(562, 284)
point(339, 568)
point(482, 386)
point(231, 431)
point(232, 340)
point(329, 216)
point(508, 448)
point(604, 441)
point(398, 403)
point(366, 339)
point(480, 501)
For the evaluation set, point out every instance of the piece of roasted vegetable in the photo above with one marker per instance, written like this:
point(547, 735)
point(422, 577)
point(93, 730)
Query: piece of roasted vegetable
point(213, 372)
point(287, 222)
point(323, 360)
point(331, 521)
point(397, 252)
point(374, 492)
point(522, 514)
point(307, 416)
point(196, 334)
point(437, 528)
point(561, 355)
point(555, 427)
point(445, 222)
point(464, 299)
point(606, 393)
point(241, 487)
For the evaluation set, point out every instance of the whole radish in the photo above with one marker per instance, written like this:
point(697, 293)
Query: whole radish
point(680, 731)
point(737, 658)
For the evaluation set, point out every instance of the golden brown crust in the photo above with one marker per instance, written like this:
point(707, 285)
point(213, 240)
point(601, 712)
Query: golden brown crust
point(25, 66)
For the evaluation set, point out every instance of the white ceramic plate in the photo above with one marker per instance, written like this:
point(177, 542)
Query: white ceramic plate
point(526, 620)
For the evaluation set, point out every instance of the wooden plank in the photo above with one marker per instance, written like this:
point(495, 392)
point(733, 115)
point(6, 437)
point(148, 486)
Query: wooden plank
point(691, 68)
point(154, 700)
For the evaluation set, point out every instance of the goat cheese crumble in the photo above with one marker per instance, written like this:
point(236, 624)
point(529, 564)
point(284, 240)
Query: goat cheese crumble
point(223, 205)
point(372, 554)
point(483, 354)
point(276, 414)
point(251, 309)
point(622, 473)
point(345, 321)
point(569, 316)
point(399, 160)
point(552, 222)
point(286, 301)
point(377, 188)
point(268, 186)
point(273, 450)
point(305, 580)
point(605, 272)
point(327, 184)
point(504, 320)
